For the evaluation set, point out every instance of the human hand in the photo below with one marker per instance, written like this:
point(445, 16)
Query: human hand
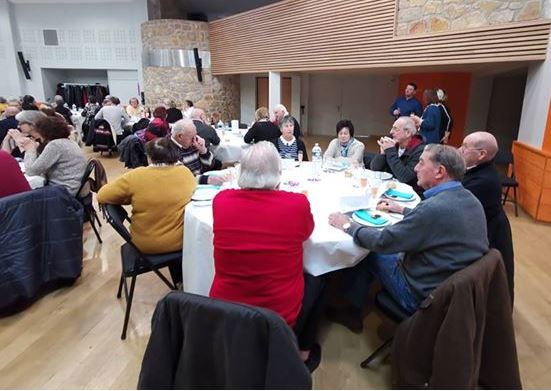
point(446, 138)
point(14, 134)
point(199, 143)
point(416, 119)
point(396, 112)
point(386, 143)
point(338, 219)
point(27, 144)
point(390, 206)
point(216, 180)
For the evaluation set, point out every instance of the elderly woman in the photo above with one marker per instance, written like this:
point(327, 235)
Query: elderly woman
point(13, 140)
point(258, 260)
point(431, 122)
point(134, 109)
point(345, 146)
point(157, 215)
point(53, 155)
point(263, 129)
point(287, 144)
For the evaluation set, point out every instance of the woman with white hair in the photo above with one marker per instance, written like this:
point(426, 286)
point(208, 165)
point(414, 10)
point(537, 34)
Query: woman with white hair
point(288, 145)
point(258, 260)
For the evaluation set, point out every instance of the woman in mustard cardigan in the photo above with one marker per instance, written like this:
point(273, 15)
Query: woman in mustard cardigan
point(158, 194)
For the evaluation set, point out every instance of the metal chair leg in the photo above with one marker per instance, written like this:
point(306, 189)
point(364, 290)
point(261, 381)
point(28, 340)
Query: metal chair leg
point(119, 291)
point(515, 201)
point(376, 353)
point(506, 195)
point(128, 307)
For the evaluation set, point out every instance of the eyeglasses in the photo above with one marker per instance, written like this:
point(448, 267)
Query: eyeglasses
point(471, 148)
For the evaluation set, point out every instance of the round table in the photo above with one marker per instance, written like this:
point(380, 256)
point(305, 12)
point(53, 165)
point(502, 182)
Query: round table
point(328, 249)
point(232, 147)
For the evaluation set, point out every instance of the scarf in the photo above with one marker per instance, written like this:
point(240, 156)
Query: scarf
point(346, 147)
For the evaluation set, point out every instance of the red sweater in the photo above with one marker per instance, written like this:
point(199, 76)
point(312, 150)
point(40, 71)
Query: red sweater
point(12, 180)
point(258, 237)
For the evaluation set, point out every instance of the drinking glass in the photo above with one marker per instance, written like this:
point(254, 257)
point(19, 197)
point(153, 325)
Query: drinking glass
point(300, 156)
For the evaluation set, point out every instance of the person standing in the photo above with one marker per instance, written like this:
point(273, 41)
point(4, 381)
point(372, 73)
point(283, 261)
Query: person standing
point(430, 123)
point(408, 104)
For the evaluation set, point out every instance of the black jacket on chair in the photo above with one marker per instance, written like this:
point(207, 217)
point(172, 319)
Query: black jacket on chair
point(197, 343)
point(40, 243)
point(483, 182)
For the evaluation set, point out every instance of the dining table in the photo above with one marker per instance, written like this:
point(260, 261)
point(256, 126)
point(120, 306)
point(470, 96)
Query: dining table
point(232, 147)
point(35, 181)
point(327, 249)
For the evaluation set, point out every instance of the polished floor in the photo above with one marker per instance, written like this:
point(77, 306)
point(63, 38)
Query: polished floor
point(71, 337)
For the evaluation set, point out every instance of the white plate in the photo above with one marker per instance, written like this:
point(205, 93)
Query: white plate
point(368, 224)
point(205, 193)
point(383, 175)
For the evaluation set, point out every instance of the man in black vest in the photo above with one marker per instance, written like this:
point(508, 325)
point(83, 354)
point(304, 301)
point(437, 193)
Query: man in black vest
point(478, 150)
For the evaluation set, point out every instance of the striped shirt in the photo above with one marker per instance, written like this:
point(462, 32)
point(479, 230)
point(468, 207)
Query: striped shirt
point(287, 150)
point(191, 158)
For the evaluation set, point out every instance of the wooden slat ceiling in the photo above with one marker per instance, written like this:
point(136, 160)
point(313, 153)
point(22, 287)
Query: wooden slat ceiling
point(313, 35)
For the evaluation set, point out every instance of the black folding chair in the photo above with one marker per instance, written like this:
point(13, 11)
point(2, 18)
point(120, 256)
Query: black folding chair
point(134, 262)
point(86, 199)
point(388, 306)
point(503, 160)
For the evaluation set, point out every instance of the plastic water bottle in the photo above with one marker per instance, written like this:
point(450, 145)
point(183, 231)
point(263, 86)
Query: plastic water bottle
point(74, 107)
point(316, 160)
point(220, 124)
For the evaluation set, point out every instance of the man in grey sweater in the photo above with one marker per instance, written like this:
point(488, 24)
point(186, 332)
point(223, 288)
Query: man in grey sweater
point(445, 233)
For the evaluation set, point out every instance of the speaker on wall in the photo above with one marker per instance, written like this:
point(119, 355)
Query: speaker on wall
point(198, 64)
point(25, 65)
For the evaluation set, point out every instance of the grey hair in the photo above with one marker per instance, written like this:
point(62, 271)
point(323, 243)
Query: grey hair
point(181, 126)
point(409, 124)
point(260, 167)
point(29, 117)
point(280, 107)
point(449, 157)
point(286, 120)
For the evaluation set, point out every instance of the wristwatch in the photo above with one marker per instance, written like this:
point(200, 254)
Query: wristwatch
point(346, 227)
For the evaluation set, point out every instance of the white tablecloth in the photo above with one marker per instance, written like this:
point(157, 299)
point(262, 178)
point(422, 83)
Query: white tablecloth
point(35, 181)
point(326, 250)
point(231, 147)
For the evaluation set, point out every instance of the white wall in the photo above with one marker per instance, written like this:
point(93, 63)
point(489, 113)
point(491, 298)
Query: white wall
point(537, 95)
point(9, 77)
point(123, 84)
point(91, 36)
point(363, 99)
point(248, 98)
point(479, 102)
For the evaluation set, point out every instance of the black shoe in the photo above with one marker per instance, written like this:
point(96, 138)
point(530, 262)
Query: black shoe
point(314, 358)
point(350, 317)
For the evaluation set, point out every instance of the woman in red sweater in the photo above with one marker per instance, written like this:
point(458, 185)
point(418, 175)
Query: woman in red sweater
point(12, 179)
point(258, 260)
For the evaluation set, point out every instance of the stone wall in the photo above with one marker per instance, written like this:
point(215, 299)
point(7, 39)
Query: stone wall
point(424, 16)
point(215, 93)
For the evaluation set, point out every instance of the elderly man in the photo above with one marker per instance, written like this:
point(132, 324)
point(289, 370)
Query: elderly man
point(115, 115)
point(193, 152)
point(9, 122)
point(478, 150)
point(407, 104)
point(281, 112)
point(399, 154)
point(203, 130)
point(445, 233)
point(61, 109)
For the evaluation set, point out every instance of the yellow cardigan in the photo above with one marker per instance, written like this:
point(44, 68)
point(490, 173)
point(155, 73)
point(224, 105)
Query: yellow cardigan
point(158, 196)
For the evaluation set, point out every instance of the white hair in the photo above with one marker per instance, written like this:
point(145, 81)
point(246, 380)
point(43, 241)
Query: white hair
point(279, 106)
point(260, 167)
point(409, 124)
point(181, 126)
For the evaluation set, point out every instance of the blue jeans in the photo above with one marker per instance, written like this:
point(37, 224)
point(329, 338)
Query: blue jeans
point(382, 267)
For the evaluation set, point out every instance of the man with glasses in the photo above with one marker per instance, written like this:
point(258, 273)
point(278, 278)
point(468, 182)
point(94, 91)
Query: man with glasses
point(478, 151)
point(399, 154)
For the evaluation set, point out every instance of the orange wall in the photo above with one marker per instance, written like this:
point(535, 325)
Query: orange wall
point(456, 84)
point(547, 136)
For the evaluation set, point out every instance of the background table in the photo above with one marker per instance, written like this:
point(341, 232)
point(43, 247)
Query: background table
point(231, 147)
point(326, 250)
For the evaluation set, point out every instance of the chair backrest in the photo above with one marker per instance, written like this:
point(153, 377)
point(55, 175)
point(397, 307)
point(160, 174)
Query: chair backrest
point(86, 177)
point(503, 160)
point(217, 344)
point(116, 215)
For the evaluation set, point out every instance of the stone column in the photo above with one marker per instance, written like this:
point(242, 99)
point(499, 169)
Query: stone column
point(170, 73)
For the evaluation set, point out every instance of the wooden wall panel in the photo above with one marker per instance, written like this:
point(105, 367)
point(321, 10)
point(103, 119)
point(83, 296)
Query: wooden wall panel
point(533, 172)
point(309, 35)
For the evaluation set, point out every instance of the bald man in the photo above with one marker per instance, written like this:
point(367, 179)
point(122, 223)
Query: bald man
point(203, 130)
point(478, 150)
point(9, 122)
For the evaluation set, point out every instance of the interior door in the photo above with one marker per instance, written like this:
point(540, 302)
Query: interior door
point(262, 90)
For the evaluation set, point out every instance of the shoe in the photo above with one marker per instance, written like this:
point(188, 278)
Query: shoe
point(350, 317)
point(314, 358)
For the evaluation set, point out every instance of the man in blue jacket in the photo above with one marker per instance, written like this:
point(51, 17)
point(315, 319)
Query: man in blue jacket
point(405, 105)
